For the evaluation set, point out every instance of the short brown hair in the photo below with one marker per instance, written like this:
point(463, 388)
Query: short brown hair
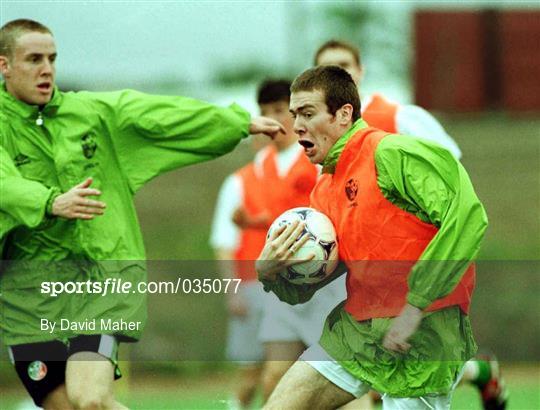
point(331, 44)
point(11, 31)
point(336, 84)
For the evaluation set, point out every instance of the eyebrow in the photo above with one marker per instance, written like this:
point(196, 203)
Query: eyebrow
point(41, 54)
point(301, 108)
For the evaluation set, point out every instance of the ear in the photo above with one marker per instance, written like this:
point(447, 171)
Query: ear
point(4, 65)
point(344, 114)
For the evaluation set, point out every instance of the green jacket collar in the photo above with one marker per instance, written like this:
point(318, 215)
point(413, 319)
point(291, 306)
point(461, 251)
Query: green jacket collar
point(329, 164)
point(10, 103)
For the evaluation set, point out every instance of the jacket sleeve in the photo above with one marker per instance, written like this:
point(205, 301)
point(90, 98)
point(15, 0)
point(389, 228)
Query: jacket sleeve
point(414, 120)
point(22, 201)
point(427, 181)
point(296, 294)
point(154, 134)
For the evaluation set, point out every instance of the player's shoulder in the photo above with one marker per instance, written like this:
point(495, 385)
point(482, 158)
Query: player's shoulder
point(394, 143)
point(98, 99)
point(397, 147)
point(78, 100)
point(407, 109)
point(378, 99)
point(382, 97)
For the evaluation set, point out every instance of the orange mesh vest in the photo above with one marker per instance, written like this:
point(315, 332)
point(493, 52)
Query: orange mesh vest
point(381, 114)
point(378, 241)
point(265, 191)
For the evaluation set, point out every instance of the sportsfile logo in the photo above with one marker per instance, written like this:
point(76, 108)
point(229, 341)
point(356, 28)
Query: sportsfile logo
point(118, 286)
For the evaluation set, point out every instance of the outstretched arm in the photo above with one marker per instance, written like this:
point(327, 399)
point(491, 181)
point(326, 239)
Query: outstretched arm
point(153, 134)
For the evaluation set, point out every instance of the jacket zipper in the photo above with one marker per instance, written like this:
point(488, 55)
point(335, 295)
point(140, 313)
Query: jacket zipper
point(39, 119)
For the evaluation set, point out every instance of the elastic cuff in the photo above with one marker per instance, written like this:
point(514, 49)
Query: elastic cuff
point(55, 192)
point(418, 301)
point(242, 112)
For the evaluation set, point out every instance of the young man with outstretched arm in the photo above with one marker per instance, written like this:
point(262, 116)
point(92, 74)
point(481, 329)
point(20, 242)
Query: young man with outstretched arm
point(70, 165)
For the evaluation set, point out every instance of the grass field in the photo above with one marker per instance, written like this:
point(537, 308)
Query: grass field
point(212, 392)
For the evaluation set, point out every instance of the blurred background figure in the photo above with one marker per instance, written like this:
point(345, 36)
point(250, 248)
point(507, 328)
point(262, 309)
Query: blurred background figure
point(280, 177)
point(234, 248)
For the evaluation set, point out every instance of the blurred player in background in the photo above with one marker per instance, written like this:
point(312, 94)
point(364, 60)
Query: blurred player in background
point(379, 112)
point(70, 164)
point(245, 306)
point(413, 120)
point(408, 223)
point(279, 178)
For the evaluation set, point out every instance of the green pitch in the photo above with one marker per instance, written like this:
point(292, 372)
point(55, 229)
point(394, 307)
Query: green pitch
point(148, 395)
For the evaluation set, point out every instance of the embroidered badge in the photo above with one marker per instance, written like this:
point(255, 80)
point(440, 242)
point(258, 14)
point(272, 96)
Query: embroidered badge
point(89, 145)
point(351, 189)
point(37, 370)
point(21, 159)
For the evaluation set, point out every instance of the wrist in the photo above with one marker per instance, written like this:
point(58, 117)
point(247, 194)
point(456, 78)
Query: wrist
point(417, 301)
point(413, 310)
point(265, 276)
point(55, 193)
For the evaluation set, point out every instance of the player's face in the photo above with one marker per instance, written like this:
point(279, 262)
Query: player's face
point(342, 58)
point(30, 72)
point(316, 128)
point(279, 111)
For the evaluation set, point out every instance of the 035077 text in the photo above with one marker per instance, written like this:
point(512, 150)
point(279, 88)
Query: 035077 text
point(119, 286)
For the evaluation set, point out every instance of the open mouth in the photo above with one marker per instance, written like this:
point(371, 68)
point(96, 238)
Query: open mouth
point(306, 144)
point(44, 86)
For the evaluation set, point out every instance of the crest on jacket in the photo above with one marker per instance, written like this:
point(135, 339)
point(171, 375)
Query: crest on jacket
point(21, 159)
point(89, 145)
point(351, 189)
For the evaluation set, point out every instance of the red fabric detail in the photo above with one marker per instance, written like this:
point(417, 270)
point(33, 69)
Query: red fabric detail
point(378, 241)
point(265, 191)
point(381, 113)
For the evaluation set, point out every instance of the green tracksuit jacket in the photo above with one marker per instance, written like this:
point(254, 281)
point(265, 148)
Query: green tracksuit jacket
point(122, 139)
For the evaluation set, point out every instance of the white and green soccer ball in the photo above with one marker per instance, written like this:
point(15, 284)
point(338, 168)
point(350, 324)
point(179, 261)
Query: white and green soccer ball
point(322, 242)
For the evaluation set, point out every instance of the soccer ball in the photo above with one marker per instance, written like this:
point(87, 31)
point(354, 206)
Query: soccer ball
point(322, 242)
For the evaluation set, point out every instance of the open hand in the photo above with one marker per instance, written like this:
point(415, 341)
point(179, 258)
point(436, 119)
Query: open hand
point(402, 328)
point(265, 125)
point(74, 203)
point(279, 249)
